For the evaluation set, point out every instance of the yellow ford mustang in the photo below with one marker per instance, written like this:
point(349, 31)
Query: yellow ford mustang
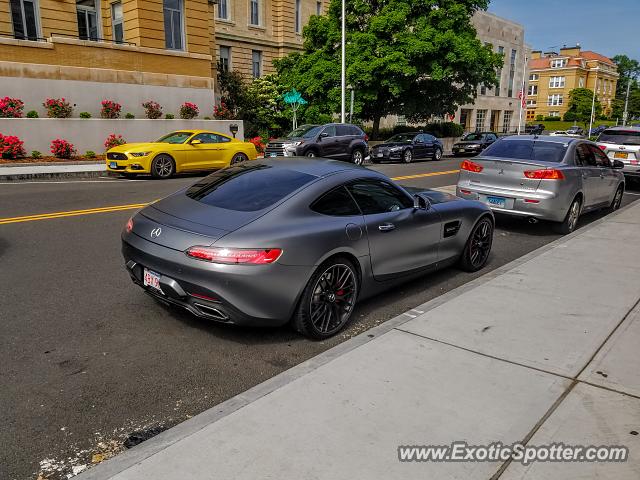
point(181, 151)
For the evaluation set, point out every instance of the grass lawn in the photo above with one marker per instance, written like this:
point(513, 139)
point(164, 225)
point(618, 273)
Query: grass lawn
point(552, 126)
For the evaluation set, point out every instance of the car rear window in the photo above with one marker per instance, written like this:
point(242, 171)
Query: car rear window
point(538, 150)
point(248, 188)
point(620, 137)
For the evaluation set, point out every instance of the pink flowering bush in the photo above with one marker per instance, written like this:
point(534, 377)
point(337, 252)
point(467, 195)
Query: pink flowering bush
point(221, 112)
point(259, 143)
point(62, 149)
point(11, 147)
point(114, 140)
point(110, 109)
point(11, 107)
point(152, 109)
point(189, 110)
point(58, 108)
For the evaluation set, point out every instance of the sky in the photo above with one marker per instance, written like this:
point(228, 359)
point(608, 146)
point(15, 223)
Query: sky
point(609, 27)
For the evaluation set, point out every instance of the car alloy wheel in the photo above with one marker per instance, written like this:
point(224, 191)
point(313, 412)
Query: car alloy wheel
point(332, 299)
point(239, 158)
point(617, 200)
point(407, 156)
point(476, 252)
point(437, 155)
point(162, 167)
point(570, 221)
point(310, 154)
point(357, 157)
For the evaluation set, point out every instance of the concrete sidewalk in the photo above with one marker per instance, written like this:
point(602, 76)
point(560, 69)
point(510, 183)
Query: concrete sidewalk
point(542, 350)
point(27, 171)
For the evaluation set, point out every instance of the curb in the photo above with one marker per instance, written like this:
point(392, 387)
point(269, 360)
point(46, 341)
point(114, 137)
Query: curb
point(52, 175)
point(129, 458)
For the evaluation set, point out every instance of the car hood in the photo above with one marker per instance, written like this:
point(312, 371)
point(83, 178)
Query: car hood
point(127, 147)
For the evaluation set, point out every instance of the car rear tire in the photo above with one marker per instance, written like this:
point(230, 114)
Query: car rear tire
point(163, 167)
point(617, 200)
point(239, 158)
point(570, 221)
point(311, 154)
point(437, 155)
point(407, 156)
point(357, 156)
point(476, 251)
point(328, 300)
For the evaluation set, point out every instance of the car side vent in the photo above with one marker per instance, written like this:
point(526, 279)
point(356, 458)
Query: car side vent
point(451, 229)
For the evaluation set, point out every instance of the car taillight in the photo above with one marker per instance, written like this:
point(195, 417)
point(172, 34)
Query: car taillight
point(546, 174)
point(234, 255)
point(602, 147)
point(130, 225)
point(470, 166)
point(366, 137)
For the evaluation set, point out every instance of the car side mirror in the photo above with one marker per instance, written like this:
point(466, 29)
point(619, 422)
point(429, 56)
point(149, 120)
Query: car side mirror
point(196, 142)
point(421, 203)
point(324, 135)
point(618, 165)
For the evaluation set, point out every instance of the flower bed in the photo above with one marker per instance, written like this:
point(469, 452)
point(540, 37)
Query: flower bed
point(50, 159)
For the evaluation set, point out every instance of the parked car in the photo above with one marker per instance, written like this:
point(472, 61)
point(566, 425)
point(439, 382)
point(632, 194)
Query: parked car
point(559, 133)
point(623, 144)
point(534, 129)
point(575, 131)
point(474, 143)
point(177, 152)
point(550, 178)
point(334, 140)
point(594, 132)
point(289, 240)
point(407, 147)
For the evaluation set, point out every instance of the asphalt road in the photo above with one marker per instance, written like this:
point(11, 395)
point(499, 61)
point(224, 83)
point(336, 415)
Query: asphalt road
point(86, 358)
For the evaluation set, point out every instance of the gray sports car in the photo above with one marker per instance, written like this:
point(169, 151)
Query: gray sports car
point(297, 240)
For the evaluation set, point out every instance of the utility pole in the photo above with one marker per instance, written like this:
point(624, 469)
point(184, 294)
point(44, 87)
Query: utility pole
point(625, 115)
point(343, 86)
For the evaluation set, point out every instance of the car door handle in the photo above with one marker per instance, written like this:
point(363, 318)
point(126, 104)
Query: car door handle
point(386, 227)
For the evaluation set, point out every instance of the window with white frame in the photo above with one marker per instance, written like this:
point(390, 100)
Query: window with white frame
point(225, 58)
point(117, 22)
point(24, 15)
point(532, 103)
point(481, 115)
point(256, 63)
point(558, 63)
point(533, 90)
point(533, 77)
point(254, 12)
point(512, 72)
point(506, 121)
point(581, 82)
point(556, 82)
point(554, 113)
point(173, 24)
point(88, 19)
point(298, 16)
point(223, 10)
point(555, 100)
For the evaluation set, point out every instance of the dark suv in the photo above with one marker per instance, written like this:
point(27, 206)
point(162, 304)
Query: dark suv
point(340, 141)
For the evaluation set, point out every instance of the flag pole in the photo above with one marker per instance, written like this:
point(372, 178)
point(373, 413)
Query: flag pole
point(343, 86)
point(522, 93)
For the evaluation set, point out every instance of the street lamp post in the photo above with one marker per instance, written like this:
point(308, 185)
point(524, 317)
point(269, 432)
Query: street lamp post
point(344, 70)
point(625, 115)
point(593, 102)
point(353, 96)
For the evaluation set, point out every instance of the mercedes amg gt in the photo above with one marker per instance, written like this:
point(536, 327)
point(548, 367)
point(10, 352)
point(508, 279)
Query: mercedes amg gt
point(297, 240)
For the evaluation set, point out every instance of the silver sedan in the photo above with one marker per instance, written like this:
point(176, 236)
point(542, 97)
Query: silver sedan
point(543, 177)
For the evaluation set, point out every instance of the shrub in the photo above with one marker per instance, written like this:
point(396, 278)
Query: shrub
point(570, 117)
point(11, 107)
point(58, 108)
point(32, 114)
point(90, 154)
point(221, 112)
point(11, 147)
point(169, 116)
point(85, 115)
point(129, 116)
point(110, 109)
point(36, 154)
point(152, 109)
point(552, 119)
point(539, 118)
point(62, 149)
point(114, 140)
point(258, 143)
point(189, 110)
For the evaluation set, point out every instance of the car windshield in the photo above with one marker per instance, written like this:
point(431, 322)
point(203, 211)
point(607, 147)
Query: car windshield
point(527, 150)
point(621, 137)
point(401, 137)
point(175, 137)
point(472, 137)
point(247, 188)
point(301, 131)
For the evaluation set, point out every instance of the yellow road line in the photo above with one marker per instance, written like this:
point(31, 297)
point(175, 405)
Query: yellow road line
point(117, 208)
point(421, 175)
point(71, 213)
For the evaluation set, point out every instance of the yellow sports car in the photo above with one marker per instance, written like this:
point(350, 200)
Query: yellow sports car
point(182, 151)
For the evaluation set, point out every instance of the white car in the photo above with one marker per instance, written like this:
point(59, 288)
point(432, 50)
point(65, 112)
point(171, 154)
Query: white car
point(622, 143)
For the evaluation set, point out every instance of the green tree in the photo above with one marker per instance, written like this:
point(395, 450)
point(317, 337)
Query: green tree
point(629, 70)
point(232, 87)
point(580, 101)
point(409, 57)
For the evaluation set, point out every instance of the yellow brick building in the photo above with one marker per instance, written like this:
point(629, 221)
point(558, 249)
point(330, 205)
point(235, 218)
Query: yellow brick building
point(136, 50)
point(553, 75)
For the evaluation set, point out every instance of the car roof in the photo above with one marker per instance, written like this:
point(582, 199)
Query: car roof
point(545, 138)
point(318, 167)
point(624, 129)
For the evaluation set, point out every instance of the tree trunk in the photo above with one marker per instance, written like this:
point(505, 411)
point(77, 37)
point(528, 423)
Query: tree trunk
point(376, 128)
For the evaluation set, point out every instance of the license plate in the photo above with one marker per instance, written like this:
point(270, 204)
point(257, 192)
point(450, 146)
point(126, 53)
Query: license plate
point(113, 165)
point(500, 202)
point(624, 155)
point(272, 155)
point(380, 155)
point(152, 279)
